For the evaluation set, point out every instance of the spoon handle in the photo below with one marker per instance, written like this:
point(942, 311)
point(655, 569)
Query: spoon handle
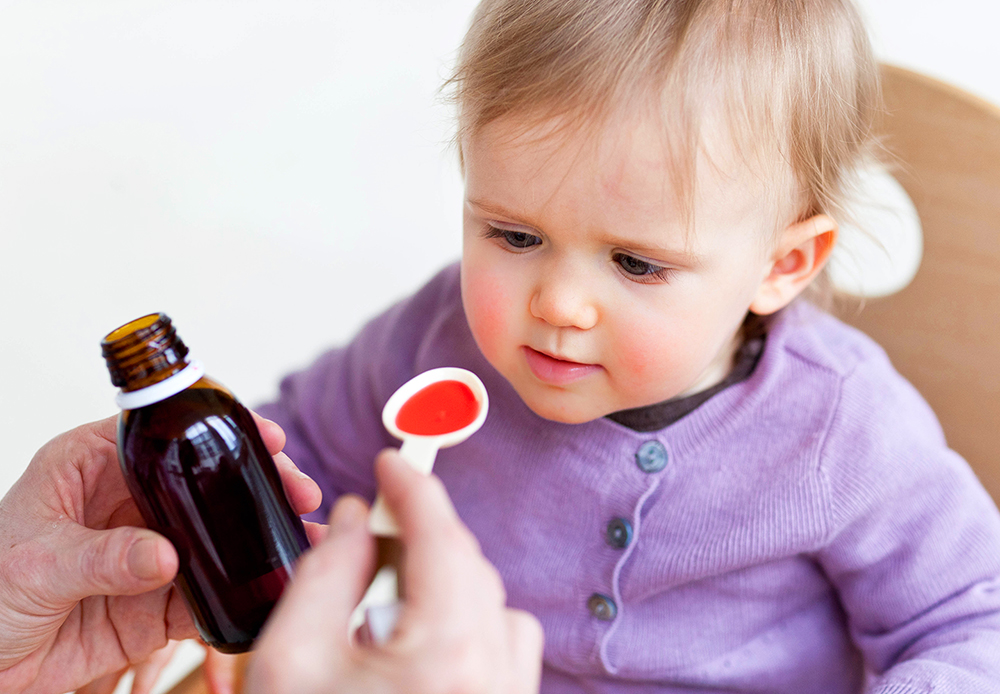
point(419, 452)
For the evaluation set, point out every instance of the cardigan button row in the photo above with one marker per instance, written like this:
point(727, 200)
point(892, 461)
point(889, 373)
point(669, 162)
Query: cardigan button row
point(651, 457)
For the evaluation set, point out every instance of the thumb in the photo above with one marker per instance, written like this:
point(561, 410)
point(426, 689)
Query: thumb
point(121, 561)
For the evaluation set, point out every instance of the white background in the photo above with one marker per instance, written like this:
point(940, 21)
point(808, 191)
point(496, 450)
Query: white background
point(269, 174)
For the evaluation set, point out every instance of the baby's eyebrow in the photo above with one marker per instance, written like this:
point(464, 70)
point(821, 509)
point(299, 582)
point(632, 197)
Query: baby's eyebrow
point(679, 256)
point(493, 209)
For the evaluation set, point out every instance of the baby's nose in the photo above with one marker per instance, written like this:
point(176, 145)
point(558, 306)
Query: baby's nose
point(564, 303)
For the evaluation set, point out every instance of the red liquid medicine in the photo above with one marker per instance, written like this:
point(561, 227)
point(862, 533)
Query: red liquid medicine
point(439, 408)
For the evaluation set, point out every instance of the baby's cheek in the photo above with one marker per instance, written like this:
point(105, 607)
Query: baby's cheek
point(487, 304)
point(652, 358)
point(641, 360)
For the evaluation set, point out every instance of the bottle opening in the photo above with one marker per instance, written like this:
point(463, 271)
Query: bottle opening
point(143, 352)
point(133, 326)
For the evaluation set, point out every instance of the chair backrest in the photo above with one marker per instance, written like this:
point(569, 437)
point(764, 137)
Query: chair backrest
point(943, 330)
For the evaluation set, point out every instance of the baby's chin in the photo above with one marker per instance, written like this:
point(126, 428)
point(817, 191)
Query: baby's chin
point(565, 409)
point(575, 408)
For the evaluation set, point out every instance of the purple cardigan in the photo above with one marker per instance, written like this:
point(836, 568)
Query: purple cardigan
point(806, 530)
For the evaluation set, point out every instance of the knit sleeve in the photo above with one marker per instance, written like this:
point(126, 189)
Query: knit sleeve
point(914, 549)
point(332, 411)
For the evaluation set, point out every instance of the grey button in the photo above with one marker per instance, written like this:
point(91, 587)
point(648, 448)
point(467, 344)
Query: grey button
point(619, 533)
point(651, 456)
point(602, 607)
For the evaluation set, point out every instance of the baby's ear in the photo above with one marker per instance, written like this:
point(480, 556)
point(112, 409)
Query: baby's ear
point(800, 254)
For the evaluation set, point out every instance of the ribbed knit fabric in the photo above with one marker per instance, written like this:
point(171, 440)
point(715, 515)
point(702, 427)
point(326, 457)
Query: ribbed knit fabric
point(809, 533)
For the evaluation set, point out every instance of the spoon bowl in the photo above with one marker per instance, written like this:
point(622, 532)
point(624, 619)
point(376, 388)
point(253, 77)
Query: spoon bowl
point(390, 413)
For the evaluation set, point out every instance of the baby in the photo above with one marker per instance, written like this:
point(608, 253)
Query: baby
point(693, 482)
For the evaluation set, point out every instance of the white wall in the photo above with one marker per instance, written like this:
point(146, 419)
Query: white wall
point(267, 173)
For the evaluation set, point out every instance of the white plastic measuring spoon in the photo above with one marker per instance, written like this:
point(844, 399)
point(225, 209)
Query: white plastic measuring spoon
point(419, 450)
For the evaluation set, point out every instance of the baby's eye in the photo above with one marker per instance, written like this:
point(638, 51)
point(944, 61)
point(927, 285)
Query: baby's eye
point(517, 239)
point(640, 269)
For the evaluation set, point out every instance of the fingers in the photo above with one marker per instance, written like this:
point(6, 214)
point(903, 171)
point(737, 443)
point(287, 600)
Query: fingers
point(220, 672)
point(103, 685)
point(526, 641)
point(454, 621)
point(272, 434)
point(443, 559)
point(315, 532)
point(329, 581)
point(122, 561)
point(303, 493)
point(180, 625)
point(422, 500)
point(148, 671)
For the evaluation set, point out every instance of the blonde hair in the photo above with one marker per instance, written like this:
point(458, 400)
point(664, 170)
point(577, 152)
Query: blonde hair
point(795, 79)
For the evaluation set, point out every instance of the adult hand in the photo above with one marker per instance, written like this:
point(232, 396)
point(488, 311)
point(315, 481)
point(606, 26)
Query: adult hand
point(85, 588)
point(454, 633)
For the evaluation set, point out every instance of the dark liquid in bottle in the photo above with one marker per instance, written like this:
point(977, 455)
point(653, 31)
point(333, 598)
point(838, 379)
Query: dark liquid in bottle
point(202, 477)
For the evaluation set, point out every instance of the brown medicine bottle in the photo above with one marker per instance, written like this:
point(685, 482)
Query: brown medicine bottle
point(201, 476)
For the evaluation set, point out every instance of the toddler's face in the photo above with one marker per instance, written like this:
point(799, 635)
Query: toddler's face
point(581, 282)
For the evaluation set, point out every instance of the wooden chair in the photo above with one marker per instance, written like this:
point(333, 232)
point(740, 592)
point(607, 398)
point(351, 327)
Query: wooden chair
point(942, 331)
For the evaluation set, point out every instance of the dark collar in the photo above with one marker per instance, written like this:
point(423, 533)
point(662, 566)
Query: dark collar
point(663, 414)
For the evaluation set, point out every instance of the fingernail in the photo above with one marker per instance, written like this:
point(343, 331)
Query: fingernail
point(392, 458)
point(143, 559)
point(347, 515)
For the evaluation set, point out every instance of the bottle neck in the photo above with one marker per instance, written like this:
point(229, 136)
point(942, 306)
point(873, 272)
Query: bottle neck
point(182, 380)
point(144, 352)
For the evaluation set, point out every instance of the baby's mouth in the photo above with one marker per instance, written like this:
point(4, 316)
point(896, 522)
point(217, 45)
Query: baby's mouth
point(554, 370)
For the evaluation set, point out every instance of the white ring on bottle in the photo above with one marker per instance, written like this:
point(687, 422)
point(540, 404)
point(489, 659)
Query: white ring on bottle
point(184, 378)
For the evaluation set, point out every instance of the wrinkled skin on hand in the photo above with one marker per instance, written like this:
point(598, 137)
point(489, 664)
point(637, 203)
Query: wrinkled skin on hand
point(85, 587)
